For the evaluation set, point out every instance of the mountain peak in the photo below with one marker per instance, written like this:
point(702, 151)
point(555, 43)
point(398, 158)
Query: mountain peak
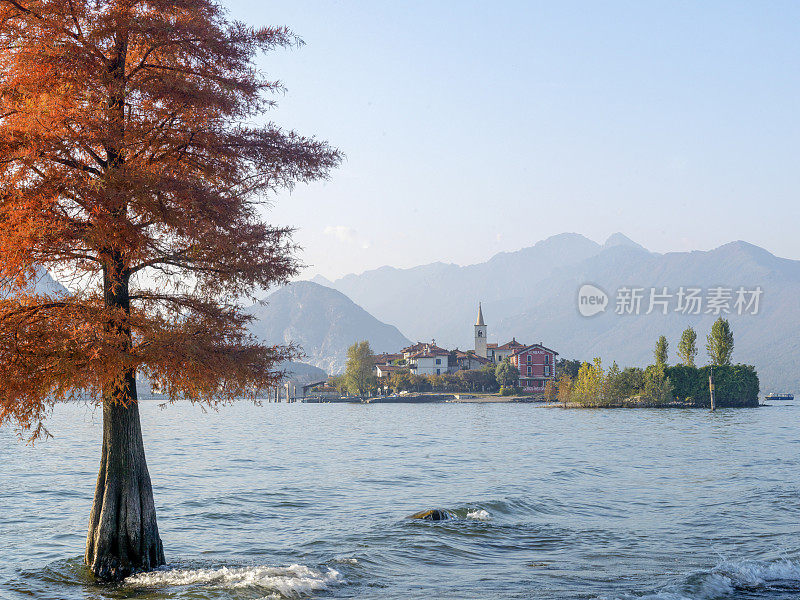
point(620, 239)
point(566, 238)
point(321, 280)
point(323, 322)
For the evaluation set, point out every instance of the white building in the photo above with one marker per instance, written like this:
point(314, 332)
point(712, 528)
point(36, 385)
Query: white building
point(383, 371)
point(431, 362)
point(497, 353)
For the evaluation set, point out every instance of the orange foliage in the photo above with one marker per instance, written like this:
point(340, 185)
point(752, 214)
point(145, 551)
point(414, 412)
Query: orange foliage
point(129, 160)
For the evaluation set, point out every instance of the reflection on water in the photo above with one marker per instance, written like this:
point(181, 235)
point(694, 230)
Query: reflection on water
point(297, 501)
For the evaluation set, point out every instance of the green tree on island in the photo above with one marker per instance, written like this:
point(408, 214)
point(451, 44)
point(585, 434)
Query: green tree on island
point(589, 387)
point(337, 382)
point(567, 367)
point(687, 347)
point(551, 390)
point(565, 389)
point(359, 373)
point(719, 343)
point(507, 375)
point(614, 389)
point(488, 378)
point(401, 381)
point(657, 386)
point(661, 351)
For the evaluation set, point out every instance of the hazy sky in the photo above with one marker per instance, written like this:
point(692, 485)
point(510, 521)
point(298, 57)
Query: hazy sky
point(472, 128)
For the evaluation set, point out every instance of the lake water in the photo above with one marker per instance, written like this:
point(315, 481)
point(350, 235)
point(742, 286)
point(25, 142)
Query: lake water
point(302, 501)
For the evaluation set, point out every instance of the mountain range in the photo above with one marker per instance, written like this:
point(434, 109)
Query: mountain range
point(323, 322)
point(531, 294)
point(296, 372)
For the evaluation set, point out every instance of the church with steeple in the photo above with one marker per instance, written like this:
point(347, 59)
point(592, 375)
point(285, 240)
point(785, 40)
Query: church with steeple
point(480, 334)
point(536, 362)
point(493, 352)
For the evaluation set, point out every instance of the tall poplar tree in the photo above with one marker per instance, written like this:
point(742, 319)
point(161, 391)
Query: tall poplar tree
point(687, 347)
point(661, 353)
point(131, 160)
point(719, 343)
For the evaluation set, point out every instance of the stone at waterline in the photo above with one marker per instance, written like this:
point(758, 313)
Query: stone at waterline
point(431, 515)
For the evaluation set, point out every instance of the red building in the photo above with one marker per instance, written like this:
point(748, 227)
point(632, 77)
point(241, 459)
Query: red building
point(536, 364)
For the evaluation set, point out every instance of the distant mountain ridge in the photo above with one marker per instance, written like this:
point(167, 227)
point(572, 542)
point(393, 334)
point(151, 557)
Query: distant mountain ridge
point(532, 294)
point(43, 283)
point(323, 322)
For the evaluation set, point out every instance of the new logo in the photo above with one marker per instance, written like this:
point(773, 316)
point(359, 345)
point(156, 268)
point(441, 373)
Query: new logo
point(591, 300)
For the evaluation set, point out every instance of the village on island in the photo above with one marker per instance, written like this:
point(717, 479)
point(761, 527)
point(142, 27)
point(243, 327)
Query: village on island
point(520, 372)
point(426, 372)
point(535, 363)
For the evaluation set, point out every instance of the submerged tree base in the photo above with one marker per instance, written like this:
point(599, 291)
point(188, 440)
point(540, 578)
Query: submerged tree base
point(123, 534)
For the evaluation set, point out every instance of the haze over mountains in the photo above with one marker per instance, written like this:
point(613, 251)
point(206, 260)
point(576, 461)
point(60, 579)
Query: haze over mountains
point(323, 321)
point(297, 372)
point(532, 294)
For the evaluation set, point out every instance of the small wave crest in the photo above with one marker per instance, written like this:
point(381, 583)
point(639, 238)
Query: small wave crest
point(479, 515)
point(293, 581)
point(730, 577)
point(747, 573)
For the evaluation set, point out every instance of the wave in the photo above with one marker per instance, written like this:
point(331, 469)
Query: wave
point(730, 579)
point(479, 515)
point(294, 581)
point(753, 573)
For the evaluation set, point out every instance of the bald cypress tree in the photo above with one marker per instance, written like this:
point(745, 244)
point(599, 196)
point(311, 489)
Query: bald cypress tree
point(130, 159)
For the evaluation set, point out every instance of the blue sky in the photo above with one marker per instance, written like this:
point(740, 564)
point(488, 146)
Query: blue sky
point(472, 128)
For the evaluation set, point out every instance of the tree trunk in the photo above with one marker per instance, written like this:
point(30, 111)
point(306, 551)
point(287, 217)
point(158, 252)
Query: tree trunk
point(123, 534)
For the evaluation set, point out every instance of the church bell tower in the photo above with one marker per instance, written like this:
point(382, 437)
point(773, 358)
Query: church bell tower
point(480, 334)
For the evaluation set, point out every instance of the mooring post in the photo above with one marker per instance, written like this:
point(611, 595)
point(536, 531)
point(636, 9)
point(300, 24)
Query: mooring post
point(711, 389)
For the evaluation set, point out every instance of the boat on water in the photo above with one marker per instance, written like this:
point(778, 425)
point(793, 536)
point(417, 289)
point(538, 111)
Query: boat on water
point(774, 396)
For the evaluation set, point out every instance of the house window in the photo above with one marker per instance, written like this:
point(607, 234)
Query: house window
point(529, 370)
point(438, 361)
point(547, 371)
point(547, 359)
point(438, 371)
point(529, 358)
